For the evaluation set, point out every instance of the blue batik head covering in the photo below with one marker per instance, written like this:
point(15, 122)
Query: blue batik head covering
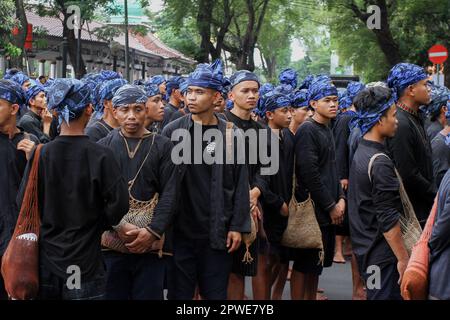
point(241, 76)
point(353, 88)
point(129, 94)
point(158, 80)
point(299, 99)
point(12, 92)
point(226, 87)
point(173, 84)
point(106, 91)
point(273, 102)
point(321, 87)
point(17, 76)
point(69, 97)
point(183, 86)
point(266, 88)
point(440, 96)
point(285, 89)
point(306, 82)
point(403, 75)
point(151, 89)
point(139, 82)
point(105, 75)
point(33, 90)
point(229, 105)
point(207, 76)
point(288, 77)
point(365, 120)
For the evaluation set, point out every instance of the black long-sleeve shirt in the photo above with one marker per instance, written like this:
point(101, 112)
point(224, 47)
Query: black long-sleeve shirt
point(279, 188)
point(13, 163)
point(228, 191)
point(411, 151)
point(316, 169)
point(255, 176)
point(81, 193)
point(341, 132)
point(441, 158)
point(169, 110)
point(374, 207)
point(98, 130)
point(158, 175)
point(32, 123)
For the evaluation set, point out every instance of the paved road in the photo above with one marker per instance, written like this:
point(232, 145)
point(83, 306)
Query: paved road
point(336, 281)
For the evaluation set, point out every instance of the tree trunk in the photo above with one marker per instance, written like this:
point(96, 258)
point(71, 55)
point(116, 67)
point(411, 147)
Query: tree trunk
point(204, 20)
point(384, 37)
point(19, 40)
point(72, 49)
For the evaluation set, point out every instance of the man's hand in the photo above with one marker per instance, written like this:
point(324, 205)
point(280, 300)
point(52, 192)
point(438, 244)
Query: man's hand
point(254, 195)
point(143, 241)
point(344, 184)
point(284, 210)
point(122, 230)
point(233, 241)
point(256, 216)
point(26, 146)
point(46, 116)
point(401, 267)
point(341, 204)
point(337, 215)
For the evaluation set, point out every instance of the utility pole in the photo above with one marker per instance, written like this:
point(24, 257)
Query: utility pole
point(127, 63)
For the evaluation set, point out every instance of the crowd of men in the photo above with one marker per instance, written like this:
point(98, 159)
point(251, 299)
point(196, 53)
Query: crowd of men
point(128, 194)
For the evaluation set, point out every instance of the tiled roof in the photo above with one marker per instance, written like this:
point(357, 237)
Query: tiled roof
point(149, 43)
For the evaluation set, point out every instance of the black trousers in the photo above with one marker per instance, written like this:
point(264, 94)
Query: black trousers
point(195, 263)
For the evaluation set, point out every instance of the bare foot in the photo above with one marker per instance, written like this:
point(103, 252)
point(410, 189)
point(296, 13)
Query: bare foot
point(321, 297)
point(338, 258)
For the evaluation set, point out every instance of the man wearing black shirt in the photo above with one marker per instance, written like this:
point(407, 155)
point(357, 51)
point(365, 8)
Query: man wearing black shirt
point(144, 159)
point(214, 205)
point(81, 193)
point(15, 147)
point(317, 174)
point(175, 99)
point(37, 120)
point(100, 129)
point(410, 147)
point(374, 198)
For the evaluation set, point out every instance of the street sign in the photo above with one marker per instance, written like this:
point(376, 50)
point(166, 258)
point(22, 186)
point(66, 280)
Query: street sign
point(438, 54)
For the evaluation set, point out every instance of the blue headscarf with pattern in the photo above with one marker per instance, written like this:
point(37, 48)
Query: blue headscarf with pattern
point(321, 87)
point(241, 76)
point(16, 76)
point(300, 99)
point(151, 89)
point(306, 82)
point(207, 76)
point(403, 75)
point(12, 92)
point(69, 98)
point(33, 90)
point(440, 96)
point(158, 79)
point(365, 120)
point(129, 94)
point(274, 101)
point(288, 77)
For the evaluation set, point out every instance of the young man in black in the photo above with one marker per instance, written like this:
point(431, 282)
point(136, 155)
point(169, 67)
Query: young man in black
point(100, 129)
point(374, 197)
point(37, 120)
point(410, 147)
point(214, 205)
point(15, 147)
point(81, 193)
point(244, 92)
point(144, 159)
point(316, 174)
point(277, 108)
point(175, 99)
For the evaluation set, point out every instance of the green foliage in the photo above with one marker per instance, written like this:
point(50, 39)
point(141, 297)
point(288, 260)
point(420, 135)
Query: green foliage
point(7, 23)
